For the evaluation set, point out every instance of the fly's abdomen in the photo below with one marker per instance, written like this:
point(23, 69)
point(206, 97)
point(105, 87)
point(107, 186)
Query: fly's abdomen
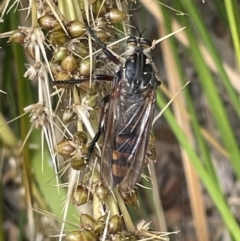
point(120, 166)
point(125, 148)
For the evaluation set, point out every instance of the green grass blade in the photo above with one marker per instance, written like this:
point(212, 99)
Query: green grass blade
point(206, 178)
point(234, 20)
point(197, 22)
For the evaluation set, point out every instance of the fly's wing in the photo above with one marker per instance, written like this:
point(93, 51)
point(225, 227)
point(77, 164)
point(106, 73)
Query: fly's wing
point(140, 134)
point(108, 141)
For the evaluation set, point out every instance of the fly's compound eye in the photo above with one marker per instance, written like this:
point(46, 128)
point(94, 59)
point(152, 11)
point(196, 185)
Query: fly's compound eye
point(132, 41)
point(131, 44)
point(145, 43)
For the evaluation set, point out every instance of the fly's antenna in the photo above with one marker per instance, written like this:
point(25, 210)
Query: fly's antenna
point(140, 34)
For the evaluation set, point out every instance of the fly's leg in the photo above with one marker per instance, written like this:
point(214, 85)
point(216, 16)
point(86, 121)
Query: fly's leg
point(111, 57)
point(65, 83)
point(91, 147)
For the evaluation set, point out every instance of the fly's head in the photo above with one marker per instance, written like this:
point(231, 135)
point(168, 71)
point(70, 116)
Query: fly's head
point(138, 65)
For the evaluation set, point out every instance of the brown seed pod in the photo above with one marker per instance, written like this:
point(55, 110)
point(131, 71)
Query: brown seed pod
point(83, 235)
point(73, 236)
point(69, 63)
point(55, 68)
point(59, 54)
point(75, 29)
point(65, 148)
point(115, 224)
point(130, 198)
point(68, 115)
point(99, 8)
point(102, 23)
point(87, 222)
point(90, 99)
point(78, 49)
point(84, 67)
point(151, 141)
point(80, 138)
point(80, 195)
point(103, 36)
point(58, 38)
point(115, 15)
point(18, 36)
point(151, 152)
point(78, 163)
point(62, 76)
point(100, 225)
point(151, 155)
point(101, 192)
point(30, 49)
point(47, 21)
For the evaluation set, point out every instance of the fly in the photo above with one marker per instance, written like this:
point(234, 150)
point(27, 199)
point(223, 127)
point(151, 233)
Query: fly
point(128, 117)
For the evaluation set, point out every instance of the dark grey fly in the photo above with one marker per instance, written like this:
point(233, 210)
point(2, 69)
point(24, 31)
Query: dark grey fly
point(129, 115)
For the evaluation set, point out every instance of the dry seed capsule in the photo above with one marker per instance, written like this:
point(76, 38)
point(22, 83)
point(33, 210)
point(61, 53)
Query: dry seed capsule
point(76, 29)
point(55, 68)
point(130, 198)
point(58, 38)
point(69, 64)
point(68, 115)
point(73, 236)
point(90, 99)
point(17, 36)
point(115, 224)
point(100, 225)
point(102, 23)
point(87, 222)
point(151, 155)
point(47, 21)
point(78, 49)
point(151, 151)
point(58, 27)
point(99, 8)
point(80, 195)
point(88, 235)
point(115, 16)
point(80, 138)
point(65, 148)
point(151, 141)
point(30, 49)
point(84, 67)
point(103, 36)
point(83, 235)
point(78, 163)
point(62, 76)
point(59, 54)
point(101, 192)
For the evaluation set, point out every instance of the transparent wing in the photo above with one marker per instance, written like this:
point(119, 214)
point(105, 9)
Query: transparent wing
point(108, 141)
point(136, 144)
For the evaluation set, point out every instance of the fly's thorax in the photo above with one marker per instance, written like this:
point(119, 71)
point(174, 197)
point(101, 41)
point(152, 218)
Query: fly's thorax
point(130, 96)
point(138, 70)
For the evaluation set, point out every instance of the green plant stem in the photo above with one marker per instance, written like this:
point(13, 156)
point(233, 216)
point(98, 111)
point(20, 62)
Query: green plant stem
point(124, 211)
